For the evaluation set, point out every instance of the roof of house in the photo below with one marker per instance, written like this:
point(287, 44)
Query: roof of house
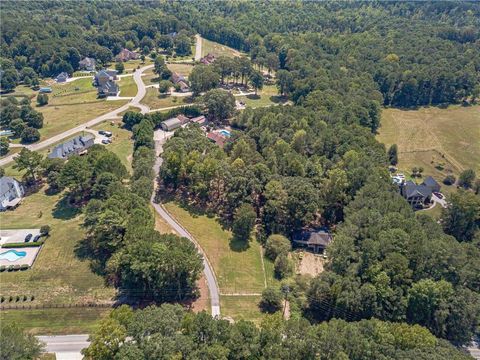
point(62, 75)
point(108, 87)
point(6, 184)
point(77, 143)
point(208, 59)
point(183, 85)
point(412, 190)
point(87, 61)
point(176, 77)
point(172, 122)
point(430, 181)
point(199, 119)
point(183, 119)
point(217, 138)
point(318, 237)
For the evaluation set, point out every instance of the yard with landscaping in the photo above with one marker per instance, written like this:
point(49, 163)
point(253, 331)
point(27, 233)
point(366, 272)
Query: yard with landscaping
point(442, 141)
point(268, 96)
point(57, 276)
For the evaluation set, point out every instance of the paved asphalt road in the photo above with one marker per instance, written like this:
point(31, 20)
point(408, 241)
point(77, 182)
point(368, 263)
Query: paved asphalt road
point(209, 274)
point(112, 114)
point(65, 346)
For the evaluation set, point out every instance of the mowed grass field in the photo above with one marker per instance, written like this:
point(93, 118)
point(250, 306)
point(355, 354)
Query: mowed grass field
point(182, 69)
point(122, 142)
point(56, 321)
point(154, 100)
point(218, 49)
point(128, 87)
point(268, 96)
point(442, 141)
point(241, 273)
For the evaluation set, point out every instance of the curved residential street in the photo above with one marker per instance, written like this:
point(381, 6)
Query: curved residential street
point(137, 76)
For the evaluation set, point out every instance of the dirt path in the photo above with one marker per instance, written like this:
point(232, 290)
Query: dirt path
point(198, 47)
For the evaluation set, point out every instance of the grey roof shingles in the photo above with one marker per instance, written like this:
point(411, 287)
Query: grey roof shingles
point(72, 146)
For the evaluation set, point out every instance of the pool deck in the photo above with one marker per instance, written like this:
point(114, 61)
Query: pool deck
point(16, 235)
point(29, 258)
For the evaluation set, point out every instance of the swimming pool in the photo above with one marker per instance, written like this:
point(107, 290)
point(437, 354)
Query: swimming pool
point(225, 133)
point(12, 255)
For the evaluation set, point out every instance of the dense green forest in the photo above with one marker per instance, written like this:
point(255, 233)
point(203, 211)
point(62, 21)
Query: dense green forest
point(412, 53)
point(391, 274)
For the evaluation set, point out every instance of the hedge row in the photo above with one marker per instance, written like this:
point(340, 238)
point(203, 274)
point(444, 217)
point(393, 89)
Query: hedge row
point(23, 244)
point(14, 267)
point(16, 298)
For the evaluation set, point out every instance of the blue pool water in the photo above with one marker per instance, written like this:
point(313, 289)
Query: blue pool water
point(225, 133)
point(12, 255)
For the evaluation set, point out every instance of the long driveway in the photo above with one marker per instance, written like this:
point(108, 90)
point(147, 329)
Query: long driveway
point(111, 115)
point(208, 270)
point(198, 47)
point(65, 347)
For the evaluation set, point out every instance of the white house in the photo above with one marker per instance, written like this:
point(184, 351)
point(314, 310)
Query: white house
point(11, 192)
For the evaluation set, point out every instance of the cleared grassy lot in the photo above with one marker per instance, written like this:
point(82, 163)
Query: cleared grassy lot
point(122, 143)
point(154, 100)
point(56, 321)
point(182, 69)
point(242, 308)
point(442, 141)
point(238, 270)
point(128, 87)
point(268, 96)
point(218, 49)
point(57, 276)
point(131, 65)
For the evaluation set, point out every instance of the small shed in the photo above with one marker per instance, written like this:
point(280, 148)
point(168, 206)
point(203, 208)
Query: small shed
point(170, 124)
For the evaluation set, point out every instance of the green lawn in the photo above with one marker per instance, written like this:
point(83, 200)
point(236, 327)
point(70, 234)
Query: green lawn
point(154, 100)
point(238, 271)
point(442, 141)
point(128, 87)
point(122, 143)
point(242, 308)
point(218, 49)
point(268, 96)
point(182, 69)
point(56, 321)
point(57, 276)
point(131, 65)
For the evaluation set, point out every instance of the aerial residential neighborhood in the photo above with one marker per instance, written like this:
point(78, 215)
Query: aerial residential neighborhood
point(239, 180)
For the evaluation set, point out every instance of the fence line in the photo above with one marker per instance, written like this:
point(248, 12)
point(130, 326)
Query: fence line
point(54, 306)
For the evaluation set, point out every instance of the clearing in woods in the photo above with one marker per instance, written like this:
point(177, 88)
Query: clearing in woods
point(442, 141)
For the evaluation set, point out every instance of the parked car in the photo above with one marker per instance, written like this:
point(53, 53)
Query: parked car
point(101, 132)
point(439, 195)
point(28, 237)
point(107, 133)
point(106, 141)
point(37, 237)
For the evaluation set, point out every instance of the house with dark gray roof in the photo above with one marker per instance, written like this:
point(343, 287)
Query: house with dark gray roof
point(77, 145)
point(110, 88)
point(62, 77)
point(315, 240)
point(419, 196)
point(11, 192)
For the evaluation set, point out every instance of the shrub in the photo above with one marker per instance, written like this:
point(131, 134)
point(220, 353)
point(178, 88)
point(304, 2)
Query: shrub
point(45, 230)
point(2, 299)
point(10, 299)
point(24, 267)
point(3, 268)
point(449, 180)
point(277, 245)
point(10, 268)
point(16, 267)
point(466, 178)
point(271, 300)
point(283, 266)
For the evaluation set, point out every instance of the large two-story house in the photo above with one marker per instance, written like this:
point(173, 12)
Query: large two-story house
point(419, 196)
point(78, 145)
point(105, 82)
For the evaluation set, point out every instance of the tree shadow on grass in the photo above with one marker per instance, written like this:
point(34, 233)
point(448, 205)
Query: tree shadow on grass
point(64, 211)
point(238, 245)
point(253, 97)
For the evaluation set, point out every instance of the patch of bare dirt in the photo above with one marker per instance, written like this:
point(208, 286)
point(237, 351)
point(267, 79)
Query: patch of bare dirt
point(308, 263)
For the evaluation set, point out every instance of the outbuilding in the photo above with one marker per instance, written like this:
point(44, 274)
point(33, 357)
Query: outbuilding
point(170, 124)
